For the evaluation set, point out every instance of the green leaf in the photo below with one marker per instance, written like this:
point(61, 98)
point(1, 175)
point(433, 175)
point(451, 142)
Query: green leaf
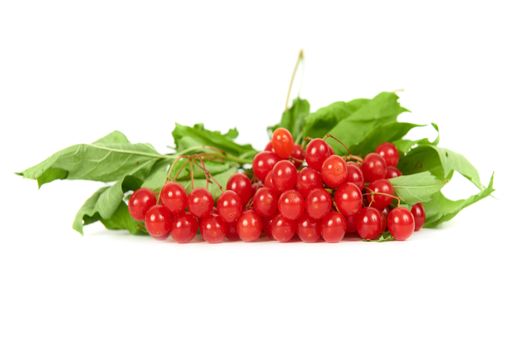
point(293, 118)
point(122, 220)
point(404, 146)
point(416, 188)
point(385, 133)
point(189, 137)
point(107, 159)
point(441, 209)
point(319, 123)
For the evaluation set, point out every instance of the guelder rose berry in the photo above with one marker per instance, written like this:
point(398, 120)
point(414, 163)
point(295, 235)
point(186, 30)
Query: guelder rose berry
point(282, 143)
point(159, 222)
point(401, 223)
point(334, 171)
point(140, 202)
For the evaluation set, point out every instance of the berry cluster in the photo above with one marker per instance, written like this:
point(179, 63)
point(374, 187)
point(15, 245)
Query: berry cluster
point(313, 194)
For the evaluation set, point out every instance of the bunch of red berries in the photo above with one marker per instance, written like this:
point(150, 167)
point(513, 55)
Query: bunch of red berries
point(326, 198)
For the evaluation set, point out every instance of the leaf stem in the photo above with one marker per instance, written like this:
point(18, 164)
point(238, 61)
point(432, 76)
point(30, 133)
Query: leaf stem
point(300, 59)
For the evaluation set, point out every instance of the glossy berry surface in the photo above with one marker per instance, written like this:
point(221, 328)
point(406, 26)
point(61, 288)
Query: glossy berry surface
point(334, 171)
point(158, 221)
point(369, 223)
point(284, 175)
point(374, 167)
point(392, 172)
point(297, 155)
point(401, 223)
point(348, 199)
point(229, 206)
point(333, 227)
point(241, 184)
point(265, 202)
point(173, 196)
point(282, 229)
point(184, 228)
point(213, 228)
point(231, 232)
point(389, 152)
point(355, 175)
point(419, 214)
point(308, 179)
point(249, 226)
point(200, 202)
point(317, 151)
point(308, 230)
point(282, 142)
point(318, 203)
point(381, 193)
point(291, 204)
point(268, 182)
point(263, 163)
point(140, 202)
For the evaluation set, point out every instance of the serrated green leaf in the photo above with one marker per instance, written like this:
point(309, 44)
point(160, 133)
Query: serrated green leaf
point(388, 132)
point(416, 188)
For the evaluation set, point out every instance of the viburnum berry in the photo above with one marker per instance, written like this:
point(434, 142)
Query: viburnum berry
point(334, 171)
point(231, 232)
point(158, 221)
point(419, 214)
point(249, 226)
point(241, 184)
point(392, 172)
point(269, 147)
point(282, 142)
point(381, 192)
point(355, 175)
point(284, 175)
point(229, 206)
point(263, 163)
point(268, 182)
point(308, 230)
point(389, 152)
point(213, 228)
point(265, 202)
point(401, 223)
point(374, 167)
point(351, 222)
point(333, 227)
point(297, 155)
point(308, 179)
point(200, 202)
point(140, 202)
point(282, 229)
point(317, 151)
point(369, 223)
point(173, 196)
point(185, 227)
point(384, 219)
point(291, 204)
point(348, 199)
point(318, 203)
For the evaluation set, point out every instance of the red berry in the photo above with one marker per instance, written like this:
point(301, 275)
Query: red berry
point(268, 182)
point(297, 155)
point(249, 226)
point(213, 228)
point(282, 229)
point(159, 221)
point(377, 199)
point(308, 179)
point(384, 219)
point(291, 204)
point(200, 202)
point(269, 147)
point(348, 198)
point(369, 225)
point(308, 230)
point(318, 203)
point(185, 227)
point(392, 172)
point(333, 227)
point(351, 222)
point(229, 206)
point(317, 151)
point(282, 142)
point(374, 167)
point(241, 184)
point(263, 163)
point(419, 214)
point(140, 202)
point(355, 175)
point(389, 152)
point(231, 232)
point(284, 175)
point(265, 202)
point(334, 171)
point(401, 223)
point(174, 197)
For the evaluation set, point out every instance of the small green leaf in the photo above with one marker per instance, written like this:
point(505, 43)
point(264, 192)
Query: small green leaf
point(293, 118)
point(388, 132)
point(416, 188)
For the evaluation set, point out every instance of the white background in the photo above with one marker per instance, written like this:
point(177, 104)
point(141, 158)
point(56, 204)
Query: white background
point(73, 71)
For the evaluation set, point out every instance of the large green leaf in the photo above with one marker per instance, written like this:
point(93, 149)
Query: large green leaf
point(388, 132)
point(293, 118)
point(416, 188)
